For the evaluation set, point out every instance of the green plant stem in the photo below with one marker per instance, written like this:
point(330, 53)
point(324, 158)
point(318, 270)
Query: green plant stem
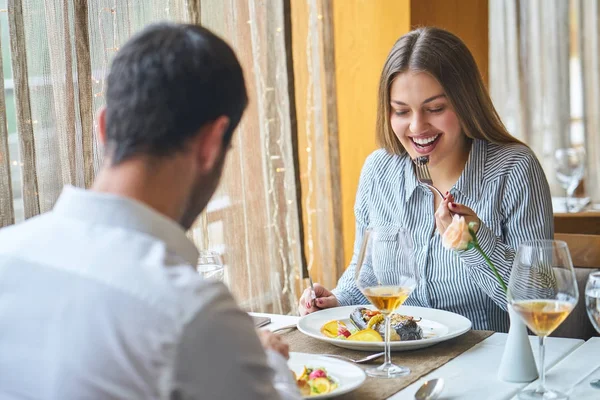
point(489, 262)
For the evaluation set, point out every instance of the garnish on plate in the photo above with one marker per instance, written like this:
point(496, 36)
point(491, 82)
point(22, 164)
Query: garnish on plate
point(315, 381)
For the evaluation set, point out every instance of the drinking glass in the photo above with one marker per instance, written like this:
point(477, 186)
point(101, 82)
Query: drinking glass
point(386, 274)
point(592, 305)
point(210, 265)
point(543, 290)
point(570, 167)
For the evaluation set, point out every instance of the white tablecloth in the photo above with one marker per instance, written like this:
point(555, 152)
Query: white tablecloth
point(571, 365)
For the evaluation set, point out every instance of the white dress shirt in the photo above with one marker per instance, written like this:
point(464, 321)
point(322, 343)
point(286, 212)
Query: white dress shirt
point(99, 300)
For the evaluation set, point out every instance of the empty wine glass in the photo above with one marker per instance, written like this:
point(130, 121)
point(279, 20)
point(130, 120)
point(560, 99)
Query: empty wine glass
point(386, 274)
point(592, 305)
point(570, 167)
point(210, 265)
point(543, 291)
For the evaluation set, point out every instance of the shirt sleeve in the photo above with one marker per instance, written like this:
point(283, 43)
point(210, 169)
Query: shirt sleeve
point(346, 291)
point(527, 215)
point(220, 356)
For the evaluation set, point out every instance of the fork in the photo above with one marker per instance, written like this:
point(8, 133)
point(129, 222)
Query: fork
point(285, 328)
point(423, 174)
point(359, 361)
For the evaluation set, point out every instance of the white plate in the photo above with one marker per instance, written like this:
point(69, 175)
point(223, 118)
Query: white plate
point(348, 376)
point(438, 326)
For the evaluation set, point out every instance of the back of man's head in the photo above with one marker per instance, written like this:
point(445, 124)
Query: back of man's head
point(164, 84)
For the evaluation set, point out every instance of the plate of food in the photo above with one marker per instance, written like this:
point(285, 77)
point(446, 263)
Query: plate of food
point(363, 327)
point(322, 377)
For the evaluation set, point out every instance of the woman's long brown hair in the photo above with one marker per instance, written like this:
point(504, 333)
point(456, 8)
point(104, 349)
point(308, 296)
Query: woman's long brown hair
point(444, 56)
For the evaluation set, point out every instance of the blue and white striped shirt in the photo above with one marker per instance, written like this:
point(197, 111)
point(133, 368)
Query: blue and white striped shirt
point(504, 184)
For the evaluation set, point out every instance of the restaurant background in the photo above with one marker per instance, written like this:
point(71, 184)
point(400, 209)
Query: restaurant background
point(312, 68)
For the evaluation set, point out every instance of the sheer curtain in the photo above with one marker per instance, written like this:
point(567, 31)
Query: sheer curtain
point(255, 220)
point(589, 39)
point(61, 52)
point(529, 74)
point(7, 212)
point(543, 66)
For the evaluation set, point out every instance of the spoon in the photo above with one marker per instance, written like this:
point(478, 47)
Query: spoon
point(430, 390)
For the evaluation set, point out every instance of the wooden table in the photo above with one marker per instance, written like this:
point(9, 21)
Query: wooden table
point(585, 222)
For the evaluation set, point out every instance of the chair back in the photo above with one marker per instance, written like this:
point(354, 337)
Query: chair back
point(585, 249)
point(585, 253)
point(586, 223)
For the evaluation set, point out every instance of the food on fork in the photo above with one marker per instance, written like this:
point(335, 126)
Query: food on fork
point(423, 160)
point(315, 381)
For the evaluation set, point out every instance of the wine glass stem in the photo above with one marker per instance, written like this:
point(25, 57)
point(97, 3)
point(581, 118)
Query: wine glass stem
point(388, 358)
point(542, 386)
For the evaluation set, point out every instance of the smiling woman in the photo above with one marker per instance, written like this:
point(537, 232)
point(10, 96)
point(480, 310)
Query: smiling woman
point(432, 102)
point(424, 120)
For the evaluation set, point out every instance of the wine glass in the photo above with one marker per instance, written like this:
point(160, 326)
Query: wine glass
point(210, 265)
point(570, 166)
point(592, 305)
point(543, 291)
point(386, 274)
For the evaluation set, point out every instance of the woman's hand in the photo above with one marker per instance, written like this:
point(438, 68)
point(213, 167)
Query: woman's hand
point(443, 215)
point(325, 299)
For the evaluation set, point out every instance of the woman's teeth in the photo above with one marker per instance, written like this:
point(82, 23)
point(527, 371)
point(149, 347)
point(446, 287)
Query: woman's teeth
point(425, 141)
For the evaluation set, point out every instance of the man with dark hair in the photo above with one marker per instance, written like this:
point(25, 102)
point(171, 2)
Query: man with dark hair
point(99, 298)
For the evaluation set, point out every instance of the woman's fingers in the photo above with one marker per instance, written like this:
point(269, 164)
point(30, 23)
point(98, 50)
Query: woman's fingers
point(327, 302)
point(305, 303)
point(460, 209)
point(324, 299)
point(443, 218)
point(466, 212)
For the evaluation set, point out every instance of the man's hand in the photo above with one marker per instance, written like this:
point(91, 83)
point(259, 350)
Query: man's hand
point(275, 342)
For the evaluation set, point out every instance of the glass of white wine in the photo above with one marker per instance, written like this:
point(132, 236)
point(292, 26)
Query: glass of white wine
point(543, 291)
point(386, 274)
point(592, 305)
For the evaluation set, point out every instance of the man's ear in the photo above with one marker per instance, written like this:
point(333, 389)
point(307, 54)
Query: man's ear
point(209, 143)
point(101, 118)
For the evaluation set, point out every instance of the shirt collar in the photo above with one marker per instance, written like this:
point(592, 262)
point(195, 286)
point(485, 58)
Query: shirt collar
point(469, 183)
point(118, 211)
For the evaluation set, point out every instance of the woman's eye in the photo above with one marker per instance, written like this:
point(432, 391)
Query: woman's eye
point(436, 110)
point(400, 112)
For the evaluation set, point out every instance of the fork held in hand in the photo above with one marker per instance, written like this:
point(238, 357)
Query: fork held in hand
point(423, 174)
